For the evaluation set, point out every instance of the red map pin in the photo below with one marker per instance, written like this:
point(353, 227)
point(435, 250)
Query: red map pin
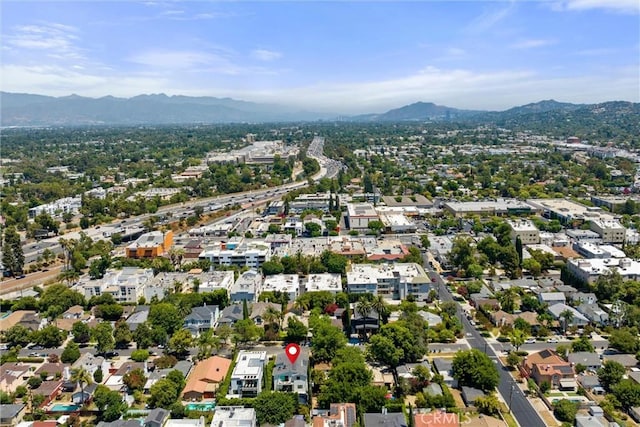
point(292, 351)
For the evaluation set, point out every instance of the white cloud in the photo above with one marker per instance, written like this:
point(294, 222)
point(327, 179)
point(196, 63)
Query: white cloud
point(489, 19)
point(532, 43)
point(625, 6)
point(265, 55)
point(180, 60)
point(53, 39)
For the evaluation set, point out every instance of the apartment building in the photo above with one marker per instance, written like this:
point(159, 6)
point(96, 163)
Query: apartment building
point(126, 285)
point(394, 281)
point(610, 230)
point(150, 245)
point(247, 376)
point(525, 230)
point(247, 287)
point(288, 284)
point(242, 254)
point(292, 377)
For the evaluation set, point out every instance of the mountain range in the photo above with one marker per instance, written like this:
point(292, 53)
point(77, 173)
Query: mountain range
point(18, 109)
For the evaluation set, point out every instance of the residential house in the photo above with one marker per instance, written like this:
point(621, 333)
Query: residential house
point(115, 381)
point(626, 360)
point(501, 318)
point(406, 370)
point(205, 378)
point(202, 319)
point(594, 313)
point(247, 376)
point(13, 375)
point(364, 323)
point(577, 319)
point(74, 312)
point(258, 309)
point(11, 415)
point(27, 318)
point(444, 367)
point(340, 415)
point(247, 287)
point(591, 383)
point(120, 423)
point(51, 371)
point(90, 363)
point(547, 365)
point(552, 298)
point(395, 419)
point(48, 389)
point(234, 416)
point(436, 418)
point(288, 284)
point(583, 298)
point(470, 394)
point(588, 421)
point(590, 360)
point(292, 377)
point(138, 317)
point(156, 418)
point(81, 397)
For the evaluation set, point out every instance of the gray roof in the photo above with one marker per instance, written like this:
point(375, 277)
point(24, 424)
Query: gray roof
point(589, 381)
point(283, 365)
point(120, 423)
point(585, 358)
point(10, 411)
point(231, 314)
point(433, 389)
point(443, 365)
point(157, 416)
point(391, 420)
point(202, 313)
point(470, 394)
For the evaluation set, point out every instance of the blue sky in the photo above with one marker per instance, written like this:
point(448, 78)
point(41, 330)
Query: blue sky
point(339, 56)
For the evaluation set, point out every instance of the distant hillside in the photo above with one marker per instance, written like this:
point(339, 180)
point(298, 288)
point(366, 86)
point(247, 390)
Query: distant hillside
point(35, 110)
point(417, 111)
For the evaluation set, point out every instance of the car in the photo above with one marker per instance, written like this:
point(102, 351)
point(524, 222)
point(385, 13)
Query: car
point(469, 334)
point(110, 354)
point(530, 341)
point(553, 340)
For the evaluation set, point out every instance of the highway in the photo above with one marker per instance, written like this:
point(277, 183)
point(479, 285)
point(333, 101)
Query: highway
point(329, 168)
point(521, 408)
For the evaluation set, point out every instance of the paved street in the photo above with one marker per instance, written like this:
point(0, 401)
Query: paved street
point(522, 410)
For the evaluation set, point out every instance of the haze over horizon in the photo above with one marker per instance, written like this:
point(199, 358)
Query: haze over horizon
point(346, 57)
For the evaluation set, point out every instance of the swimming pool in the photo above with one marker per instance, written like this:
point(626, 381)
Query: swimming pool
point(209, 406)
point(59, 407)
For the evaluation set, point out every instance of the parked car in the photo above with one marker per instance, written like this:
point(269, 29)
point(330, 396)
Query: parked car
point(530, 341)
point(553, 340)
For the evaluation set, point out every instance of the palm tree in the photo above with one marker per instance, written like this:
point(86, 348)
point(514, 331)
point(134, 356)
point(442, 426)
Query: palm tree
point(380, 306)
point(363, 307)
point(567, 317)
point(67, 245)
point(207, 343)
point(81, 376)
point(271, 316)
point(176, 255)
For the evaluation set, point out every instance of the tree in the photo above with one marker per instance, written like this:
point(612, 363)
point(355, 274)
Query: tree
point(49, 336)
point(71, 353)
point(379, 305)
point(109, 403)
point(567, 317)
point(627, 391)
point(383, 350)
point(610, 373)
point(326, 341)
point(582, 344)
point(102, 334)
point(296, 330)
point(164, 394)
point(12, 254)
point(489, 404)
point(272, 267)
point(34, 382)
point(135, 380)
point(625, 340)
point(363, 308)
point(166, 317)
point(565, 410)
point(139, 355)
point(514, 359)
point(245, 330)
point(518, 246)
point(81, 332)
point(122, 335)
point(80, 376)
point(143, 336)
point(180, 342)
point(475, 369)
point(97, 375)
point(275, 407)
point(17, 335)
point(207, 344)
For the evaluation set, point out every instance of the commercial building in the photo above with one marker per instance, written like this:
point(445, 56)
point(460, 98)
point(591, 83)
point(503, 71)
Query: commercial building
point(498, 207)
point(57, 208)
point(359, 215)
point(316, 201)
point(288, 284)
point(588, 270)
point(324, 282)
point(242, 254)
point(394, 281)
point(525, 230)
point(126, 285)
point(150, 245)
point(397, 223)
point(567, 211)
point(247, 287)
point(247, 376)
point(610, 230)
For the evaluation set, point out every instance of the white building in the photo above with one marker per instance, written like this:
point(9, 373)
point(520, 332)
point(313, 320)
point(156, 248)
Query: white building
point(397, 223)
point(57, 208)
point(286, 283)
point(217, 280)
point(526, 230)
point(360, 215)
point(247, 376)
point(126, 285)
point(247, 287)
point(395, 281)
point(324, 282)
point(242, 254)
point(317, 201)
point(234, 416)
point(588, 270)
point(610, 230)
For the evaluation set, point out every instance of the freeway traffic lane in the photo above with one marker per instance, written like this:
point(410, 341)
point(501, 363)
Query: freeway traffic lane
point(521, 408)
